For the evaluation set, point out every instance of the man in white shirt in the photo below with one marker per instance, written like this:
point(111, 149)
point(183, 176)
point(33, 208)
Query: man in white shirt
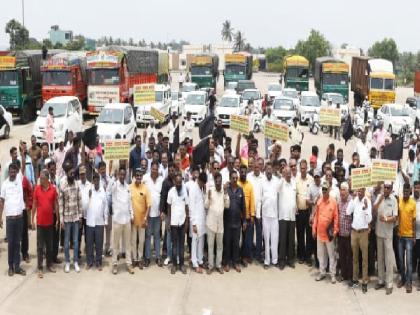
point(295, 133)
point(225, 172)
point(270, 187)
point(361, 209)
point(11, 202)
point(287, 219)
point(177, 212)
point(363, 149)
point(85, 186)
point(188, 127)
point(96, 219)
point(122, 217)
point(267, 141)
point(172, 125)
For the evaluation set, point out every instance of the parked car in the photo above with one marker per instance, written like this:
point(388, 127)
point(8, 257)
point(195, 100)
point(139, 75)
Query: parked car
point(293, 94)
point(414, 103)
point(7, 127)
point(188, 87)
point(231, 86)
point(336, 98)
point(253, 94)
point(162, 103)
point(395, 117)
point(197, 104)
point(309, 104)
point(176, 102)
point(274, 90)
point(68, 116)
point(229, 104)
point(116, 121)
point(244, 85)
point(284, 110)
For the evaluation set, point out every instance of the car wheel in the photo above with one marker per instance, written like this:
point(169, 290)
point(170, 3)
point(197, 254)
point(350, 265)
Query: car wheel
point(6, 132)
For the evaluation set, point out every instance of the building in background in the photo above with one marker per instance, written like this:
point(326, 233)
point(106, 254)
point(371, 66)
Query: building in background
point(220, 49)
point(60, 36)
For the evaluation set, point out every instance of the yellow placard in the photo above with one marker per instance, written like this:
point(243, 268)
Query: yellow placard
point(383, 170)
point(157, 114)
point(7, 62)
point(329, 116)
point(335, 67)
point(361, 177)
point(276, 131)
point(117, 150)
point(235, 58)
point(144, 94)
point(239, 123)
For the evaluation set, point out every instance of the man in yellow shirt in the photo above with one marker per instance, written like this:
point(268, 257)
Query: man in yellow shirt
point(407, 233)
point(141, 201)
point(248, 224)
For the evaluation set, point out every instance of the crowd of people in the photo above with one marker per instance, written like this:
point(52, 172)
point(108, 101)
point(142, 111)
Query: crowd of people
point(236, 209)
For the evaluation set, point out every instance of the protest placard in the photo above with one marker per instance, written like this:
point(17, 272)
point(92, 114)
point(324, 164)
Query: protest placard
point(276, 131)
point(157, 114)
point(239, 123)
point(361, 178)
point(383, 170)
point(117, 150)
point(329, 116)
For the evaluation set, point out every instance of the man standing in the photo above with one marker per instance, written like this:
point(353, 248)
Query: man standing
point(217, 199)
point(386, 213)
point(11, 202)
point(360, 208)
point(295, 133)
point(172, 126)
point(219, 132)
point(71, 214)
point(35, 154)
point(85, 187)
point(122, 217)
point(58, 157)
point(345, 260)
point(141, 201)
point(267, 141)
point(45, 204)
point(136, 154)
point(178, 213)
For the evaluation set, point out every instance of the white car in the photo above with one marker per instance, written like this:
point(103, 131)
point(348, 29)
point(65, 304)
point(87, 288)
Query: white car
point(229, 104)
point(394, 117)
point(293, 94)
point(309, 104)
point(274, 90)
point(253, 94)
point(116, 121)
point(177, 105)
point(335, 98)
point(196, 104)
point(68, 116)
point(284, 110)
point(231, 86)
point(7, 127)
point(188, 87)
point(162, 103)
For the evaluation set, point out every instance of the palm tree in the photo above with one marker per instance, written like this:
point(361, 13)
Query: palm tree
point(239, 41)
point(227, 31)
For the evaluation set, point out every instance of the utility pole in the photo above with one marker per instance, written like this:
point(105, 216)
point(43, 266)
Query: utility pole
point(23, 12)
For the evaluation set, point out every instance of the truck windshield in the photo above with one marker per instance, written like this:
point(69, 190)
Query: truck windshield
point(283, 104)
point(235, 69)
point(8, 78)
point(158, 96)
point(110, 116)
point(310, 101)
point(104, 77)
point(376, 83)
point(200, 70)
point(389, 84)
point(291, 94)
point(297, 72)
point(335, 98)
point(56, 78)
point(188, 87)
point(245, 85)
point(247, 95)
point(335, 78)
point(59, 109)
point(229, 102)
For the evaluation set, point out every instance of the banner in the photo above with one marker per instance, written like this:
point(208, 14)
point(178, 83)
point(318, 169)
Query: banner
point(383, 170)
point(103, 59)
point(239, 123)
point(335, 67)
point(7, 62)
point(144, 94)
point(361, 177)
point(99, 96)
point(276, 131)
point(157, 114)
point(329, 116)
point(117, 150)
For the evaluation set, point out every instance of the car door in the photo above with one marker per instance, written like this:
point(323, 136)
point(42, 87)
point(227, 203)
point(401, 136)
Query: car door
point(70, 121)
point(78, 115)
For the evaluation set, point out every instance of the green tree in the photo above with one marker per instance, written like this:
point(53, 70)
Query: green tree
point(227, 31)
point(386, 49)
point(316, 45)
point(47, 43)
point(78, 43)
point(406, 67)
point(19, 35)
point(274, 58)
point(32, 43)
point(239, 41)
point(58, 46)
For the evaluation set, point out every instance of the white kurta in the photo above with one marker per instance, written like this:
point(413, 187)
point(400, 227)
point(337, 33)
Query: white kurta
point(197, 212)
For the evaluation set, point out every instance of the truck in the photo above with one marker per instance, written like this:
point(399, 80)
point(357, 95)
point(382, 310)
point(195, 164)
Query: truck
point(163, 67)
point(331, 76)
point(204, 69)
point(296, 72)
point(112, 72)
point(417, 83)
point(64, 74)
point(238, 66)
point(20, 82)
point(372, 78)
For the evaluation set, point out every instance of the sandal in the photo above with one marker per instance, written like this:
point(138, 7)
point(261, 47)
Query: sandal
point(198, 270)
point(40, 275)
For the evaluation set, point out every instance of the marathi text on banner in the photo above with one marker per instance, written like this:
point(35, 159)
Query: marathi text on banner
point(329, 116)
point(383, 170)
point(276, 131)
point(361, 177)
point(144, 94)
point(239, 123)
point(117, 150)
point(157, 114)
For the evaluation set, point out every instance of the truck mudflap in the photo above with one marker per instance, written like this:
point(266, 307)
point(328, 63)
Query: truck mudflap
point(378, 98)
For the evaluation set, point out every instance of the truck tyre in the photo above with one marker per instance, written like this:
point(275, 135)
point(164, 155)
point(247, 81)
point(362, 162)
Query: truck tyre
point(25, 116)
point(6, 132)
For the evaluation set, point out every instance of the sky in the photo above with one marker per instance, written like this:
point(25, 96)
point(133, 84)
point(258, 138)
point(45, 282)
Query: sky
point(265, 23)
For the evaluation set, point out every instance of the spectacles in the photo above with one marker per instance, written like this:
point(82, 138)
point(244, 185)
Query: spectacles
point(292, 165)
point(387, 187)
point(324, 189)
point(217, 168)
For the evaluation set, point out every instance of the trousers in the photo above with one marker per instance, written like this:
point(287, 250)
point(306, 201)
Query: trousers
point(405, 253)
point(94, 238)
point(271, 239)
point(71, 228)
point(14, 236)
point(231, 238)
point(197, 249)
point(287, 241)
point(345, 260)
point(138, 236)
point(211, 238)
point(122, 235)
point(178, 240)
point(305, 241)
point(325, 253)
point(360, 241)
point(153, 229)
point(44, 242)
point(25, 240)
point(385, 261)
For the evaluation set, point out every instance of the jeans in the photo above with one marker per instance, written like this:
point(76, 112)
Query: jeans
point(55, 239)
point(304, 235)
point(94, 237)
point(44, 241)
point(405, 248)
point(71, 228)
point(268, 143)
point(248, 237)
point(287, 241)
point(25, 241)
point(168, 237)
point(153, 229)
point(258, 238)
point(14, 236)
point(231, 238)
point(178, 240)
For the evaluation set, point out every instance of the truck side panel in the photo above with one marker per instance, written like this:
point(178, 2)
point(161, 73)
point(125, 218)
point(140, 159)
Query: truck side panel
point(359, 75)
point(417, 83)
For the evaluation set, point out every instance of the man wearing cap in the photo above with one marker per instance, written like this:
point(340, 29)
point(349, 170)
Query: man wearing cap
point(325, 229)
point(385, 210)
point(295, 133)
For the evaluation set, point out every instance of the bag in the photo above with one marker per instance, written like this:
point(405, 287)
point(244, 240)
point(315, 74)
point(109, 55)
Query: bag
point(330, 231)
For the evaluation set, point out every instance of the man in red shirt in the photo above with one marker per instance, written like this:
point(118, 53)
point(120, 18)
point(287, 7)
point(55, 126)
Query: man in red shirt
point(45, 204)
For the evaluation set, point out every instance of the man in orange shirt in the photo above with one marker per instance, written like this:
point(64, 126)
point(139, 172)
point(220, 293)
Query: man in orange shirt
point(185, 158)
point(325, 229)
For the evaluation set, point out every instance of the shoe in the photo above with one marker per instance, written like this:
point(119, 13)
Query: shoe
point(100, 268)
point(40, 274)
point(88, 267)
point(333, 280)
point(76, 267)
point(340, 278)
point(130, 270)
point(20, 271)
point(248, 260)
point(291, 265)
point(400, 284)
point(198, 270)
point(309, 263)
point(281, 265)
point(114, 269)
point(220, 270)
point(27, 259)
point(301, 261)
point(408, 288)
point(173, 269)
point(364, 287)
point(379, 286)
point(147, 262)
point(57, 261)
point(388, 291)
point(123, 255)
point(51, 269)
point(184, 270)
point(159, 262)
point(244, 263)
point(10, 272)
point(266, 266)
point(237, 268)
point(209, 271)
point(226, 268)
point(108, 253)
point(320, 277)
point(353, 284)
point(141, 265)
point(167, 261)
point(67, 268)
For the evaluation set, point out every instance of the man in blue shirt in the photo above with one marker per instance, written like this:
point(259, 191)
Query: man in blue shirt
point(136, 154)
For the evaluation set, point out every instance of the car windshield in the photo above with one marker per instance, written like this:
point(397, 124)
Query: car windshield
point(247, 95)
point(335, 78)
point(235, 69)
point(188, 88)
point(197, 70)
point(56, 78)
point(174, 96)
point(310, 101)
point(195, 99)
point(246, 85)
point(283, 104)
point(399, 111)
point(229, 102)
point(291, 94)
point(376, 83)
point(158, 96)
point(335, 98)
point(389, 84)
point(297, 72)
point(274, 87)
point(59, 109)
point(8, 78)
point(110, 116)
point(104, 77)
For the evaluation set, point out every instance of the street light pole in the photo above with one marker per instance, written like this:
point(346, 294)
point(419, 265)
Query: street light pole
point(23, 12)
